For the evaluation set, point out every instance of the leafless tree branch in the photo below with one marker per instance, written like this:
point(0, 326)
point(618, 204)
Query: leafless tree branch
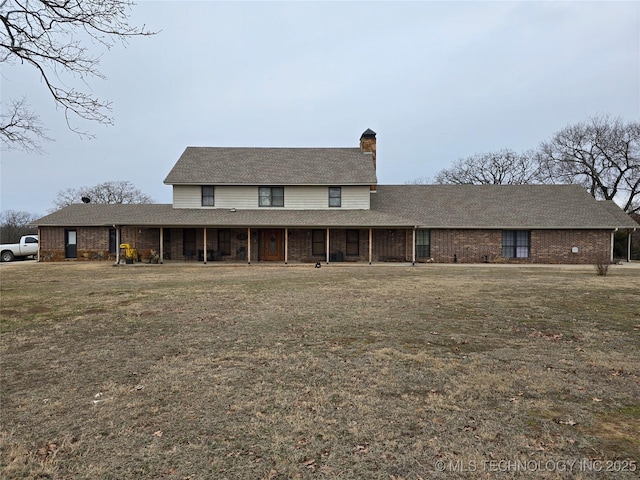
point(48, 35)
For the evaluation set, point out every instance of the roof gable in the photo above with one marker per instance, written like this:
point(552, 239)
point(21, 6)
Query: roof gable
point(274, 166)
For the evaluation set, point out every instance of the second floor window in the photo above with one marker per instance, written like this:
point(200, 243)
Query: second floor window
point(271, 196)
point(335, 196)
point(207, 196)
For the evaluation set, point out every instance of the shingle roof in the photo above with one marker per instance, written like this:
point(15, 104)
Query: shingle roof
point(166, 216)
point(426, 206)
point(273, 166)
point(499, 206)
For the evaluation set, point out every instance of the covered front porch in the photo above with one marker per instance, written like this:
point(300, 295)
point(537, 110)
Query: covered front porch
point(276, 244)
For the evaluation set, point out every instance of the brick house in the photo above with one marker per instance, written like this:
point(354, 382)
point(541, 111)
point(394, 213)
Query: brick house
point(325, 205)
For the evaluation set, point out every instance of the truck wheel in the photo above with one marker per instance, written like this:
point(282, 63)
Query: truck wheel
point(6, 256)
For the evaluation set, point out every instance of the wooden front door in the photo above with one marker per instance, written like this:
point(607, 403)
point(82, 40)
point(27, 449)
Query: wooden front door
point(271, 245)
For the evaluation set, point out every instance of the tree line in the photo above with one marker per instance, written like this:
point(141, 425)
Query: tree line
point(602, 154)
point(14, 223)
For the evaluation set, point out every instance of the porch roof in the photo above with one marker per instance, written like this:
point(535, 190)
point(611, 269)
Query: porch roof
point(425, 206)
point(164, 215)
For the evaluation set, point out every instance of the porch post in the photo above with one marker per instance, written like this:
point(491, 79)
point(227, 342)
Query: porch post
point(327, 246)
point(117, 244)
point(40, 240)
point(413, 256)
point(613, 239)
point(286, 245)
point(370, 244)
point(205, 245)
point(161, 245)
point(248, 245)
point(629, 232)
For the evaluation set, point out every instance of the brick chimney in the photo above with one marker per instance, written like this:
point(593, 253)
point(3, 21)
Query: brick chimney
point(368, 144)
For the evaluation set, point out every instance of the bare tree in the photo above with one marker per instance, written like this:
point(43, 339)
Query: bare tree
point(497, 168)
point(45, 34)
point(602, 154)
point(20, 128)
point(419, 181)
point(14, 224)
point(108, 192)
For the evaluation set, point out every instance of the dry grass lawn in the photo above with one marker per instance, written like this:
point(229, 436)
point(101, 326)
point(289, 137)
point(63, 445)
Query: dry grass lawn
point(271, 372)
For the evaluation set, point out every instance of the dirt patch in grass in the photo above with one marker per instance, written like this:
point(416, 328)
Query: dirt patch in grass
point(178, 371)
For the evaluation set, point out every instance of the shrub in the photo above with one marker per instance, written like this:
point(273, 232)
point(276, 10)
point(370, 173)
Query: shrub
point(602, 265)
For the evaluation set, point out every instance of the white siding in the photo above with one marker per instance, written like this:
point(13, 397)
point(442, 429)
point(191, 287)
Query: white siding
point(187, 196)
point(317, 197)
point(237, 196)
point(296, 197)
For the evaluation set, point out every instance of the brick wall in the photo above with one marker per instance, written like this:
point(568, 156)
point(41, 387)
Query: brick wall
point(389, 245)
point(555, 246)
point(465, 246)
point(547, 246)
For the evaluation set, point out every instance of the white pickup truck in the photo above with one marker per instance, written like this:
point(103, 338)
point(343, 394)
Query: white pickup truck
point(27, 247)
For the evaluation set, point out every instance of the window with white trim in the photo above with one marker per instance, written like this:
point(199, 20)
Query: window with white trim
point(207, 196)
point(335, 196)
point(271, 196)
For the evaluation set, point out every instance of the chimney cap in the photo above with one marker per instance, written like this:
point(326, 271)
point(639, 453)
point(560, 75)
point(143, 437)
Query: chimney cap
point(368, 133)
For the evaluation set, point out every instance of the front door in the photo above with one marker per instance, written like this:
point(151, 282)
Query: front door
point(272, 245)
point(70, 244)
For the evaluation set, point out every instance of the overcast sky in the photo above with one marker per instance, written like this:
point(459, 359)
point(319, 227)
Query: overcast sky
point(437, 81)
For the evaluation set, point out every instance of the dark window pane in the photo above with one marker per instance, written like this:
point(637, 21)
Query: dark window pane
point(353, 242)
point(318, 242)
point(207, 196)
point(423, 248)
point(224, 242)
point(335, 196)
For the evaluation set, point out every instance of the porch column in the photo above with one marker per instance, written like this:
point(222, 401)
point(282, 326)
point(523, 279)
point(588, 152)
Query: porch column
point(286, 245)
point(613, 239)
point(40, 240)
point(205, 246)
point(327, 246)
point(161, 244)
point(248, 245)
point(629, 233)
point(370, 244)
point(117, 244)
point(413, 255)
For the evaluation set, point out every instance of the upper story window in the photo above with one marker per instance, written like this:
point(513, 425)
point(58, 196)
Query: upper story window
point(335, 196)
point(271, 196)
point(516, 243)
point(207, 196)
